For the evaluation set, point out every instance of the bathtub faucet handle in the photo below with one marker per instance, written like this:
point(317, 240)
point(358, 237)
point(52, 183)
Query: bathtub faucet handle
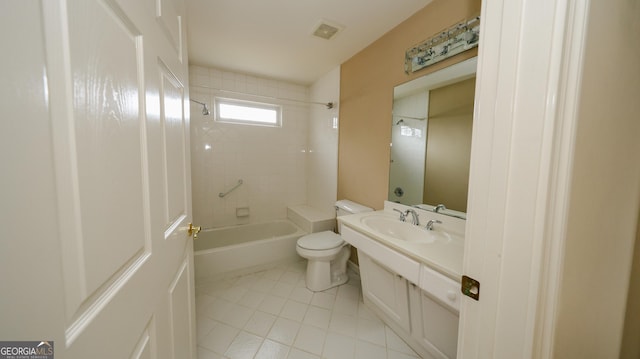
point(193, 231)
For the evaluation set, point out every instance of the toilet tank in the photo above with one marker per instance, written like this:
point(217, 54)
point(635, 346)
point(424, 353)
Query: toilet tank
point(345, 207)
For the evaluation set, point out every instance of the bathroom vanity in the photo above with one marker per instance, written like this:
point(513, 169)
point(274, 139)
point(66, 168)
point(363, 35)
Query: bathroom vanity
point(411, 275)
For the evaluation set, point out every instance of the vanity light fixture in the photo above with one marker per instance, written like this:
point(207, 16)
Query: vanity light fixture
point(452, 41)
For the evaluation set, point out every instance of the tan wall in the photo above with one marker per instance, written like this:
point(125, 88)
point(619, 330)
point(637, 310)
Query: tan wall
point(604, 197)
point(446, 175)
point(366, 98)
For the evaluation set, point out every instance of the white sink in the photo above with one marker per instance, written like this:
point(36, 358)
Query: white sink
point(393, 227)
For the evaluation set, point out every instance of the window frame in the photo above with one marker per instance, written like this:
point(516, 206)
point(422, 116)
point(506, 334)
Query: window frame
point(217, 101)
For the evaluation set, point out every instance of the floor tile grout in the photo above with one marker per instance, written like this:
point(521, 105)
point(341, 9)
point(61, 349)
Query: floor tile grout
point(313, 325)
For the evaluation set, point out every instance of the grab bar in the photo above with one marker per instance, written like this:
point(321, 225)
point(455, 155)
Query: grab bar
point(222, 194)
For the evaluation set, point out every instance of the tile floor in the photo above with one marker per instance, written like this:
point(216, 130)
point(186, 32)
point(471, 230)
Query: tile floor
point(271, 314)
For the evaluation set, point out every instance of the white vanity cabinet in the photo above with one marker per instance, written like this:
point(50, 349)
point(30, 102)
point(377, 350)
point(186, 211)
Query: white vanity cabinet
point(418, 303)
point(385, 289)
point(434, 326)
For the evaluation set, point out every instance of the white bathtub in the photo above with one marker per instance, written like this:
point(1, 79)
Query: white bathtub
point(245, 248)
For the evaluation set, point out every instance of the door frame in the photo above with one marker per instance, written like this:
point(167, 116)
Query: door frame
point(528, 83)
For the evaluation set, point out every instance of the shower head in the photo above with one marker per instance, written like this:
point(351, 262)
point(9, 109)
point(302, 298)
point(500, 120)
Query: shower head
point(205, 109)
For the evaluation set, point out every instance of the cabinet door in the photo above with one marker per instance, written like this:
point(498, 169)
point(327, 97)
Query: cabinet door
point(386, 290)
point(435, 326)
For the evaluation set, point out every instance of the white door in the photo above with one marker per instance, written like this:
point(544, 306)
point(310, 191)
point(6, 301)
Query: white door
point(557, 120)
point(96, 195)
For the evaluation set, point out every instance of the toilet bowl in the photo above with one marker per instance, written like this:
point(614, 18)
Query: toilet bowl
point(326, 254)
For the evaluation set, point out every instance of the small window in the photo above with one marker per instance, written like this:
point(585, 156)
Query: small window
point(247, 112)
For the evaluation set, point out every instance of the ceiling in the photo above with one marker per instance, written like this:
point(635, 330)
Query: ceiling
point(273, 38)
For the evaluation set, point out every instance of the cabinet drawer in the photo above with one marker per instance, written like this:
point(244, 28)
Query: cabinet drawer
point(440, 287)
point(399, 263)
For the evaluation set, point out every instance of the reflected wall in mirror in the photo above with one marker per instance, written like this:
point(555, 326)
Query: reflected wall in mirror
point(431, 139)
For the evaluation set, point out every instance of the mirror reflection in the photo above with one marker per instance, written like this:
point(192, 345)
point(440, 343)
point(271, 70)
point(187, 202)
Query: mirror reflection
point(431, 139)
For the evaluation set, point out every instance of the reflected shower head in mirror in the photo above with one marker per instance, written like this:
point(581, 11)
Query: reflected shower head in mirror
point(432, 146)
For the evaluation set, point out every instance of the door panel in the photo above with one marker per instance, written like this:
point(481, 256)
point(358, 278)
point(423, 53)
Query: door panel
point(180, 300)
point(145, 349)
point(114, 180)
point(103, 143)
point(174, 142)
point(108, 127)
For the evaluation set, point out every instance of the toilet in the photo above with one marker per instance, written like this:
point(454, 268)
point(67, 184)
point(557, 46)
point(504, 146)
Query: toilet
point(327, 253)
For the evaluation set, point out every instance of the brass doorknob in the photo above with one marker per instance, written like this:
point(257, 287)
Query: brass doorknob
point(193, 230)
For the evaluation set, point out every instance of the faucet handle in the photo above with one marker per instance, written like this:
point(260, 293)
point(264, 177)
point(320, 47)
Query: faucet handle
point(403, 216)
point(429, 225)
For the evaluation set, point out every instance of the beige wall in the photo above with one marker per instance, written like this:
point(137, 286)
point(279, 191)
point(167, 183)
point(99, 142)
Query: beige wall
point(605, 191)
point(366, 98)
point(446, 175)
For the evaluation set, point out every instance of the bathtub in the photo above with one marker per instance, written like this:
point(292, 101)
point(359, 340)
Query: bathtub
point(245, 248)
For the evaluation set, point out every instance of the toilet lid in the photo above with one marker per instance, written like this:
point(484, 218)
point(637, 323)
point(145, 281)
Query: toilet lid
point(320, 241)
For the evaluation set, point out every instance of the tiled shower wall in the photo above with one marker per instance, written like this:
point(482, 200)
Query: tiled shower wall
point(322, 157)
point(271, 161)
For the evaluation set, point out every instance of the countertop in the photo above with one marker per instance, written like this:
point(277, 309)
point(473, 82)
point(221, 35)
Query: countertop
point(442, 256)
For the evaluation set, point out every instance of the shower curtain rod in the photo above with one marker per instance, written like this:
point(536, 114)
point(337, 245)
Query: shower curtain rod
point(409, 117)
point(329, 105)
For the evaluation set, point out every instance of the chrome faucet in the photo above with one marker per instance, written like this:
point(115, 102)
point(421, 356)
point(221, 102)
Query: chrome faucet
point(415, 219)
point(429, 225)
point(439, 207)
point(403, 216)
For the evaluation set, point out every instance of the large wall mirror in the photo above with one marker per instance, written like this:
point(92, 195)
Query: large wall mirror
point(431, 139)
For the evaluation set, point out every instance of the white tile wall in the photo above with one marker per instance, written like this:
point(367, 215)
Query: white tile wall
point(294, 164)
point(322, 164)
point(271, 161)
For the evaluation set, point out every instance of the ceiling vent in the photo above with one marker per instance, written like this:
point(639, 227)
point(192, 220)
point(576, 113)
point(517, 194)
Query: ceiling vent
point(326, 30)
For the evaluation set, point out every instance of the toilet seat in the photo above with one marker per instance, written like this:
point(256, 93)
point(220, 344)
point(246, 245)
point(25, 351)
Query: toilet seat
point(321, 241)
